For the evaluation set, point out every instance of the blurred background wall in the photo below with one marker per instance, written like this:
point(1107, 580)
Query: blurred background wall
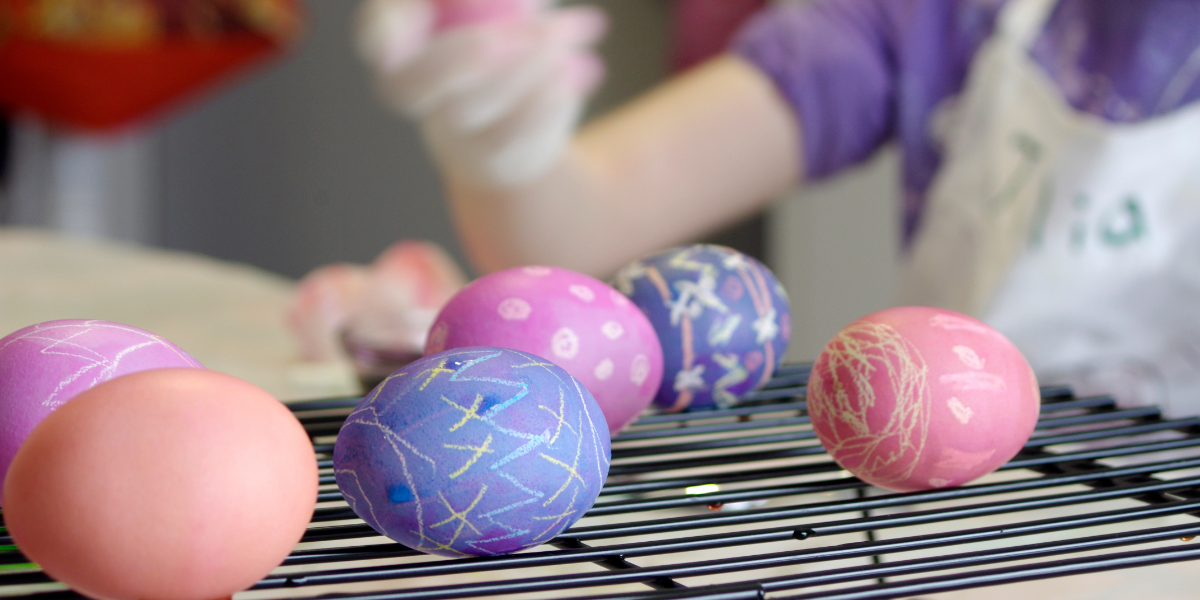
point(298, 164)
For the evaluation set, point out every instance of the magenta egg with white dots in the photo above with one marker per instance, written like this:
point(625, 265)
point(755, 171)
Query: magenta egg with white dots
point(914, 398)
point(578, 322)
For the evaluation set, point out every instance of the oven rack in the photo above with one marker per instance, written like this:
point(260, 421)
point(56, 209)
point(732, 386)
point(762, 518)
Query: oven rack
point(744, 503)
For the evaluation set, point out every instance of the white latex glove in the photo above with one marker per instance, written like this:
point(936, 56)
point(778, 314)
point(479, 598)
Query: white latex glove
point(498, 99)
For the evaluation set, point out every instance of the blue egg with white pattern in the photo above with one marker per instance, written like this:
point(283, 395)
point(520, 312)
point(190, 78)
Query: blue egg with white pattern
point(474, 451)
point(722, 317)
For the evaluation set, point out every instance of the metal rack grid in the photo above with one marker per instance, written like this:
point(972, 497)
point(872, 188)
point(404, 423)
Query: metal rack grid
point(744, 503)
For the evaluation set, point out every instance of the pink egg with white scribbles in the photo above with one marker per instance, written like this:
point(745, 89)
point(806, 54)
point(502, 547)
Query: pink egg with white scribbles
point(577, 322)
point(916, 398)
point(44, 365)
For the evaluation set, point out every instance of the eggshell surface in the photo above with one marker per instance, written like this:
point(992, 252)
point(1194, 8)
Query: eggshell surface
point(473, 451)
point(171, 484)
point(459, 13)
point(44, 365)
point(580, 323)
point(915, 398)
point(722, 317)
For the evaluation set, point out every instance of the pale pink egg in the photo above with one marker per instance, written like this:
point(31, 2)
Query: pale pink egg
point(915, 398)
point(577, 322)
point(172, 484)
point(457, 13)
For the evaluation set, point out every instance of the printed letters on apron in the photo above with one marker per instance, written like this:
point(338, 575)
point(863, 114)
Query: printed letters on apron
point(1077, 238)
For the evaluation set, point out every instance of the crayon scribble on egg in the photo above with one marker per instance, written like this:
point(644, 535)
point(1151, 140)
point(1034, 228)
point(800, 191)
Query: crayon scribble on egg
point(44, 365)
point(722, 317)
point(473, 451)
point(915, 398)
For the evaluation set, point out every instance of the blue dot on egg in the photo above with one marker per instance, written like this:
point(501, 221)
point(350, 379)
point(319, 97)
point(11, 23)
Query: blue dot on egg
point(399, 494)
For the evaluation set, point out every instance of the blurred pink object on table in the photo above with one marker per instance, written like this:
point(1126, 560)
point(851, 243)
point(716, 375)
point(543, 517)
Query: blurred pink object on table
point(377, 315)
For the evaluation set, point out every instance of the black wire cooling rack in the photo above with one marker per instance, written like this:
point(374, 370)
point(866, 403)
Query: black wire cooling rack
point(744, 503)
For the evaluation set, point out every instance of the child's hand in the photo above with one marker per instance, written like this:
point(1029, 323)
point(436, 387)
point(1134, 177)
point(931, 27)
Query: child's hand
point(498, 99)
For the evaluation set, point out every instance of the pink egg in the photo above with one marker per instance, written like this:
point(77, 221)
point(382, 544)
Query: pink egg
point(171, 484)
point(915, 398)
point(44, 365)
point(579, 323)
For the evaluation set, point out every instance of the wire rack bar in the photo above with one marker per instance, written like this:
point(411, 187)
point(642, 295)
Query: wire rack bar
point(725, 494)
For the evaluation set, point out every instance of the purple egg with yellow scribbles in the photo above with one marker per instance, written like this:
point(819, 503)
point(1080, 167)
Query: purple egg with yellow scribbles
point(722, 317)
point(580, 323)
point(44, 365)
point(474, 451)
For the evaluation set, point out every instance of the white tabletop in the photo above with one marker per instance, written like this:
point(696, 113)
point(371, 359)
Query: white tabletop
point(229, 316)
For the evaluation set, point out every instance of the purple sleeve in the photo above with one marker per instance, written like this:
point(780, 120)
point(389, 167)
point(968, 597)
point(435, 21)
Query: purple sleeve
point(834, 62)
point(863, 72)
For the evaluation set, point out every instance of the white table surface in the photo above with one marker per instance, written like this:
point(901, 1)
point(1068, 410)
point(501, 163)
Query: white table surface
point(229, 316)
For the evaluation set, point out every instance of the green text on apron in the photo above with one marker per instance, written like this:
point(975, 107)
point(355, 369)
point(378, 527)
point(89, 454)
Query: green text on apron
point(1077, 238)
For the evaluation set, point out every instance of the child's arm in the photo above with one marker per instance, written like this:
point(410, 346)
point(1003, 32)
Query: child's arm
point(702, 150)
point(498, 101)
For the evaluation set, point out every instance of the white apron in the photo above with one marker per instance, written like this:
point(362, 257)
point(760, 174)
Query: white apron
point(1077, 238)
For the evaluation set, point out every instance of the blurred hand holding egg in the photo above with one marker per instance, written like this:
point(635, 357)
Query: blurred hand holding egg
point(578, 322)
point(473, 451)
point(915, 398)
point(45, 365)
point(498, 85)
point(171, 484)
point(722, 317)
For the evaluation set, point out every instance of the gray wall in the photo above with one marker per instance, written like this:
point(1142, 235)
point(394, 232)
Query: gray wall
point(833, 245)
point(299, 164)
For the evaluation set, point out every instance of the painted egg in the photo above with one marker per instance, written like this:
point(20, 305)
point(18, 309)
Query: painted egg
point(473, 451)
point(579, 323)
point(171, 484)
point(722, 318)
point(460, 13)
point(915, 398)
point(44, 365)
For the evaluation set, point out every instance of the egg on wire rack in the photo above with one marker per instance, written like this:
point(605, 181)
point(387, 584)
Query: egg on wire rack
point(722, 317)
point(44, 365)
point(575, 321)
point(473, 451)
point(914, 398)
point(171, 484)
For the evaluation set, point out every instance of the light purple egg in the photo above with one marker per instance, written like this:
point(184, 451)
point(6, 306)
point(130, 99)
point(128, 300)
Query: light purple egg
point(473, 451)
point(43, 366)
point(580, 323)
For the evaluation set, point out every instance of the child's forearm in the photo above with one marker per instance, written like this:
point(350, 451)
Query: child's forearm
point(702, 150)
